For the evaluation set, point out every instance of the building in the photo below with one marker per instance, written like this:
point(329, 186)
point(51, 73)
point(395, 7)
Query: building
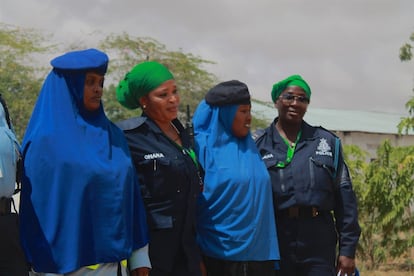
point(366, 129)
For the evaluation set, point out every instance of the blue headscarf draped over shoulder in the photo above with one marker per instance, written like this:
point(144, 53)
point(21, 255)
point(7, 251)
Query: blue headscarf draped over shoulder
point(9, 153)
point(80, 200)
point(235, 210)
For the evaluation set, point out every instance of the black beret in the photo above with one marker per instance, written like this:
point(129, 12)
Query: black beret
point(227, 93)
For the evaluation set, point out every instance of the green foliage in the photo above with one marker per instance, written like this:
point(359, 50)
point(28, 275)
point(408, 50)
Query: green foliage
point(355, 159)
point(126, 51)
point(406, 50)
point(385, 192)
point(19, 79)
point(258, 123)
point(407, 123)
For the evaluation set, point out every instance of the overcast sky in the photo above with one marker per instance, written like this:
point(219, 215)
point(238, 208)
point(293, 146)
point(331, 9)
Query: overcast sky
point(347, 50)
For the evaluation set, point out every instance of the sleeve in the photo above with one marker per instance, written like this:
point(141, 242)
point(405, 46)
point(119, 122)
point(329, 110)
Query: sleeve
point(346, 210)
point(139, 258)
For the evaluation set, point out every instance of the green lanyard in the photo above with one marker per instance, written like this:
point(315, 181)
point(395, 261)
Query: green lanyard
point(192, 154)
point(290, 152)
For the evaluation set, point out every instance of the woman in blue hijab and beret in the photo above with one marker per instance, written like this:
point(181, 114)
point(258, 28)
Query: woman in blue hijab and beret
point(314, 202)
point(235, 220)
point(81, 209)
point(166, 165)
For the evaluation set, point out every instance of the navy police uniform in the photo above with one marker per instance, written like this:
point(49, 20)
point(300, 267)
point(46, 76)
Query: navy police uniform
point(314, 202)
point(170, 185)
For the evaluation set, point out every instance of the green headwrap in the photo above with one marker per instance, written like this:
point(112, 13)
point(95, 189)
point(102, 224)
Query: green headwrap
point(141, 80)
point(294, 80)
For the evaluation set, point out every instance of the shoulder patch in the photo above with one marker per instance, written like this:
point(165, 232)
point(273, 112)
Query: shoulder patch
point(131, 123)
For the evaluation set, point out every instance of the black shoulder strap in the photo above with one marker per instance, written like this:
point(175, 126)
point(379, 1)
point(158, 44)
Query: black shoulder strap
point(19, 175)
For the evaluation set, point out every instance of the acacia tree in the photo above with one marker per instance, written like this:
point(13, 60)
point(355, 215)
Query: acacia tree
point(406, 55)
point(385, 192)
point(125, 51)
point(20, 80)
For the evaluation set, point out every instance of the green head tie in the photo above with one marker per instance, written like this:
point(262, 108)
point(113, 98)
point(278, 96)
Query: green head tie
point(140, 81)
point(294, 80)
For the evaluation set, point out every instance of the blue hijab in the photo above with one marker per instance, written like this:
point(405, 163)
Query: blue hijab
point(235, 210)
point(80, 200)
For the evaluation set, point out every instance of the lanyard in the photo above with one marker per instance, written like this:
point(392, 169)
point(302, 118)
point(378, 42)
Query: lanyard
point(290, 152)
point(192, 155)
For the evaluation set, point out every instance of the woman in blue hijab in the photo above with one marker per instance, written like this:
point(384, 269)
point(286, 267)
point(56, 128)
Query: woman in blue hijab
point(236, 224)
point(81, 208)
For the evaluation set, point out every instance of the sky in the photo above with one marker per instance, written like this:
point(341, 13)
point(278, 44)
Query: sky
point(347, 50)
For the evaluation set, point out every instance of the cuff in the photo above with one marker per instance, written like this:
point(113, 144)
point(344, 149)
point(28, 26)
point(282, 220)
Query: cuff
point(139, 258)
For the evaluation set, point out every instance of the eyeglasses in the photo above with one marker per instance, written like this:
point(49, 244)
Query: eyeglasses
point(289, 98)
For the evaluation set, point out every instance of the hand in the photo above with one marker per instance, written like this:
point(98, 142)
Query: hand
point(346, 266)
point(140, 271)
point(203, 268)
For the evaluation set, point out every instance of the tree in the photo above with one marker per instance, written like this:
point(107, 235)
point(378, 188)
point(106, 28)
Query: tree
point(19, 80)
point(407, 123)
point(406, 50)
point(192, 80)
point(385, 192)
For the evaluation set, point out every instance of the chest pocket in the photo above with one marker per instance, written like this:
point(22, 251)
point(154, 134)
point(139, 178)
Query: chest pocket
point(321, 172)
point(154, 175)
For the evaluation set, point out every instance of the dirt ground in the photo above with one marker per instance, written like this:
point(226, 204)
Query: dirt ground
point(386, 273)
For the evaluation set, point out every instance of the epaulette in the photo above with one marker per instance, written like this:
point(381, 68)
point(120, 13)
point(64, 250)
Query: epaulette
point(131, 123)
point(258, 133)
point(332, 133)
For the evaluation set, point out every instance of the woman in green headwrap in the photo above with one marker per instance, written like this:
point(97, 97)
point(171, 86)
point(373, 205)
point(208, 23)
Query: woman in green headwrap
point(166, 165)
point(310, 182)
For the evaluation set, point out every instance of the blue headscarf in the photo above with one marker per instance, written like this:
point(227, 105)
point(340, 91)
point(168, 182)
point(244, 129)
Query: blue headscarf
point(9, 153)
point(235, 210)
point(80, 200)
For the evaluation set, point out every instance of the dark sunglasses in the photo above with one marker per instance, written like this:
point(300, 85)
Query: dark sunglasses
point(290, 98)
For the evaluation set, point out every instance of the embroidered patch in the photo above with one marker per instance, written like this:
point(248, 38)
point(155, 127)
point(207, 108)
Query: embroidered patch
point(153, 156)
point(324, 148)
point(267, 156)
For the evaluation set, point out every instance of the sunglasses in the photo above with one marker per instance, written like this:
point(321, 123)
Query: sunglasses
point(290, 98)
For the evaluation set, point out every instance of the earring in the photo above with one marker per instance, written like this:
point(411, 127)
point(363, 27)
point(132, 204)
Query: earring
point(144, 106)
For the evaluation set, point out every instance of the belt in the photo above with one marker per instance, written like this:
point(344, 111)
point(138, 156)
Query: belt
point(298, 212)
point(5, 206)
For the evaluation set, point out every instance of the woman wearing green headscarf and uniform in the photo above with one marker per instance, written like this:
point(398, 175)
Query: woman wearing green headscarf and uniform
point(314, 202)
point(167, 168)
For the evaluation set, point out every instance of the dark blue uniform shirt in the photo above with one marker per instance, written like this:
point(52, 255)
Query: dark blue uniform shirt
point(170, 185)
point(316, 177)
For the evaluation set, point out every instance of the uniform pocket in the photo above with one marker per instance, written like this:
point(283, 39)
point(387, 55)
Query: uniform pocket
point(321, 173)
point(154, 176)
point(321, 183)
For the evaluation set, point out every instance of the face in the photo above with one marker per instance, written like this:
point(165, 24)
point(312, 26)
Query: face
point(292, 104)
point(242, 120)
point(92, 91)
point(161, 104)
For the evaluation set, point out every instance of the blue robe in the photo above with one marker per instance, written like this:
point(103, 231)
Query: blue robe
point(235, 211)
point(80, 200)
